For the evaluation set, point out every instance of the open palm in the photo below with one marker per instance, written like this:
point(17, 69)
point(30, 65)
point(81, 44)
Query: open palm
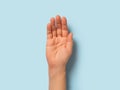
point(59, 42)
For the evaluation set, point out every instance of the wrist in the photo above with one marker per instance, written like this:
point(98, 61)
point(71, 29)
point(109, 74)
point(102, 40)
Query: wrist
point(57, 71)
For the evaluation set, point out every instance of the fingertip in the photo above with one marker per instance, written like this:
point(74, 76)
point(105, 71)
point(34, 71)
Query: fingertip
point(63, 17)
point(48, 26)
point(57, 16)
point(58, 19)
point(64, 20)
point(52, 20)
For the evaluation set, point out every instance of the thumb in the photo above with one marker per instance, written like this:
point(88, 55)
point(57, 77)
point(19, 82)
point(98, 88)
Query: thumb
point(69, 42)
point(70, 37)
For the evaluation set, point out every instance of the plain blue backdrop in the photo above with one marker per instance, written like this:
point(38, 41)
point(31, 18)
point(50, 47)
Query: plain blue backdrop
point(95, 63)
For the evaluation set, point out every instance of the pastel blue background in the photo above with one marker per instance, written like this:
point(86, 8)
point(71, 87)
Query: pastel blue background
point(95, 63)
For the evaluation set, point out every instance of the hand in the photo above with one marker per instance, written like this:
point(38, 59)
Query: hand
point(59, 42)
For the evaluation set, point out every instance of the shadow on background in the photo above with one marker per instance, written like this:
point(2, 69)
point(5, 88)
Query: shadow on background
point(71, 65)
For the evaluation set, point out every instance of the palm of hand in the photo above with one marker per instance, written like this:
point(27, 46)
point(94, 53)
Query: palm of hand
point(59, 42)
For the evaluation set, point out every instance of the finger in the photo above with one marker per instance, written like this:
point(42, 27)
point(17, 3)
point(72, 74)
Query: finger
point(52, 21)
point(49, 31)
point(64, 27)
point(69, 42)
point(59, 25)
point(70, 37)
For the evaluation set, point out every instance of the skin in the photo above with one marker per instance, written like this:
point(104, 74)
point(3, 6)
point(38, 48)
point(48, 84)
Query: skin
point(58, 51)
